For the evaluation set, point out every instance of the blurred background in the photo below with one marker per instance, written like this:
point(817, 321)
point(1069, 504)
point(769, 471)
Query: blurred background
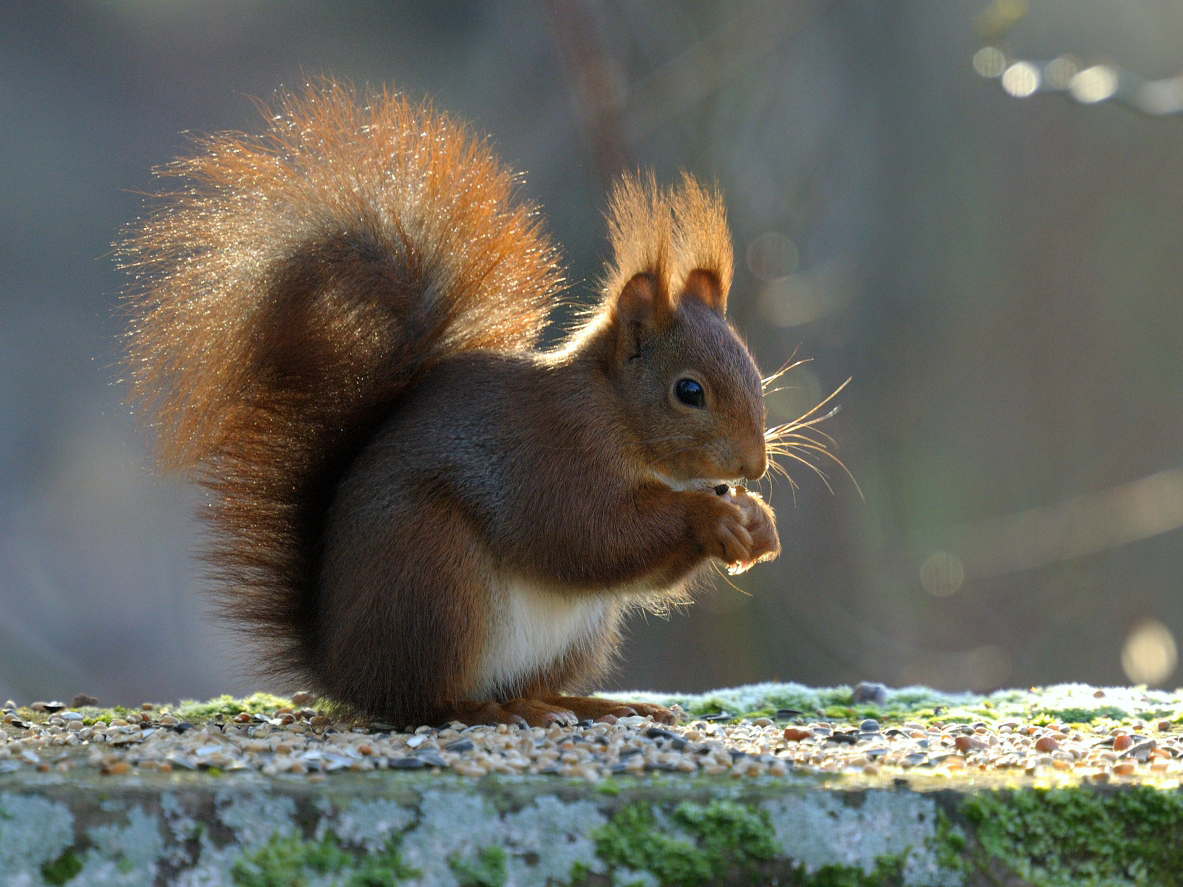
point(971, 209)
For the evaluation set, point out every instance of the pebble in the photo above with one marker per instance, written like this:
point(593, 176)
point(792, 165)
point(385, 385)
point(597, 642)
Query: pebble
point(867, 693)
point(300, 743)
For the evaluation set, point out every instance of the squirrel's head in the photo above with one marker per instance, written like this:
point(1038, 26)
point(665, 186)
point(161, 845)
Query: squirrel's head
point(690, 391)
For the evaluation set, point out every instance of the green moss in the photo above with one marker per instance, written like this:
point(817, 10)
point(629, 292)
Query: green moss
point(287, 862)
point(948, 844)
point(888, 872)
point(608, 786)
point(292, 861)
point(62, 869)
point(228, 706)
point(714, 838)
point(1080, 837)
point(487, 870)
point(1077, 715)
point(382, 869)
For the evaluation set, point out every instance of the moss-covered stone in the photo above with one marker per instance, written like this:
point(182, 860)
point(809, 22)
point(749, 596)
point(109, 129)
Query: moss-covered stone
point(362, 830)
point(1068, 837)
point(694, 845)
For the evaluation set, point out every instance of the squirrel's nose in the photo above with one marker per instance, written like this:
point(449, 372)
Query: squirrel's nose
point(754, 460)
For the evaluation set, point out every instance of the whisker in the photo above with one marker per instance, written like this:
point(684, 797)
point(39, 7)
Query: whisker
point(825, 401)
point(788, 365)
point(799, 434)
point(823, 451)
point(813, 468)
point(777, 430)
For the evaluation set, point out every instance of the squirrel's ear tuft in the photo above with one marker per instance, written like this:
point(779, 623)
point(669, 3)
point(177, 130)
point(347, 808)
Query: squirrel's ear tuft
point(640, 226)
point(677, 237)
point(702, 243)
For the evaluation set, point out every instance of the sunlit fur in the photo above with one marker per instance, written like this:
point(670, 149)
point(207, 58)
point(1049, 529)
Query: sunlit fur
point(335, 327)
point(244, 300)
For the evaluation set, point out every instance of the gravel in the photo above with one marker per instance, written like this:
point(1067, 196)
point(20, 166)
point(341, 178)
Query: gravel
point(302, 742)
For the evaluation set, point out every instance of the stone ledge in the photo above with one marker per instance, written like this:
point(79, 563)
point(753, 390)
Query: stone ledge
point(805, 828)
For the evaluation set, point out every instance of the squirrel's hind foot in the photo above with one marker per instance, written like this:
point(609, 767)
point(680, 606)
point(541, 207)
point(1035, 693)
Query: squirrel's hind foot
point(592, 708)
point(528, 712)
point(563, 711)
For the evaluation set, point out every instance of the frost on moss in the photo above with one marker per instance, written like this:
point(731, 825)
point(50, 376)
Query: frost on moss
point(34, 834)
point(1074, 703)
point(1076, 836)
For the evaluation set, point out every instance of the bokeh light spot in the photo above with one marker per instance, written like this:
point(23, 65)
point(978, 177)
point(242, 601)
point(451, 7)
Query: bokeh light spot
point(1058, 73)
point(1149, 654)
point(1161, 96)
point(942, 574)
point(1094, 84)
point(772, 255)
point(989, 61)
point(1021, 79)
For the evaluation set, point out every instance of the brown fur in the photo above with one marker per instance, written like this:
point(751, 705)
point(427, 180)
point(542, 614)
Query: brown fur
point(333, 325)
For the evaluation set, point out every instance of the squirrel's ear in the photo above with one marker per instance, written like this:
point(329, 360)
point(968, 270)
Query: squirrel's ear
point(704, 286)
point(642, 309)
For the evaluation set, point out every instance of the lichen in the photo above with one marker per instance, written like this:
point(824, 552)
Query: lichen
point(256, 818)
point(552, 841)
point(369, 825)
point(124, 854)
point(34, 832)
point(1077, 836)
point(820, 829)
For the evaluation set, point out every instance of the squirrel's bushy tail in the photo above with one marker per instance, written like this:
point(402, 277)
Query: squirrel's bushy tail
point(288, 292)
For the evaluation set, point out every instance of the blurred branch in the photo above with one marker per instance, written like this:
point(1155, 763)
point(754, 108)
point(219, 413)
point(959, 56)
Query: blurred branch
point(754, 32)
point(614, 114)
point(591, 70)
point(1074, 528)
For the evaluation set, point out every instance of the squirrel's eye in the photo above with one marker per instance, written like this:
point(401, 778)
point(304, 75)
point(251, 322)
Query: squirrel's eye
point(690, 393)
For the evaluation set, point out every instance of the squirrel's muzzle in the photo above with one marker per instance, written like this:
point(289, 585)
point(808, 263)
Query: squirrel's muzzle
point(753, 460)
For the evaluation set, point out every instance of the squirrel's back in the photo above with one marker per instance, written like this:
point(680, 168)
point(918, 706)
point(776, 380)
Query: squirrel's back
point(289, 291)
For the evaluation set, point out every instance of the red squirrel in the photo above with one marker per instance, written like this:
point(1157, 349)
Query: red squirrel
point(420, 514)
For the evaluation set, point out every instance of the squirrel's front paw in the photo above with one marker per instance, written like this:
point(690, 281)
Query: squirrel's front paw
point(723, 531)
point(760, 524)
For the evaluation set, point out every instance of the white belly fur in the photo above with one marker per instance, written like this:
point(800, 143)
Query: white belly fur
point(533, 628)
